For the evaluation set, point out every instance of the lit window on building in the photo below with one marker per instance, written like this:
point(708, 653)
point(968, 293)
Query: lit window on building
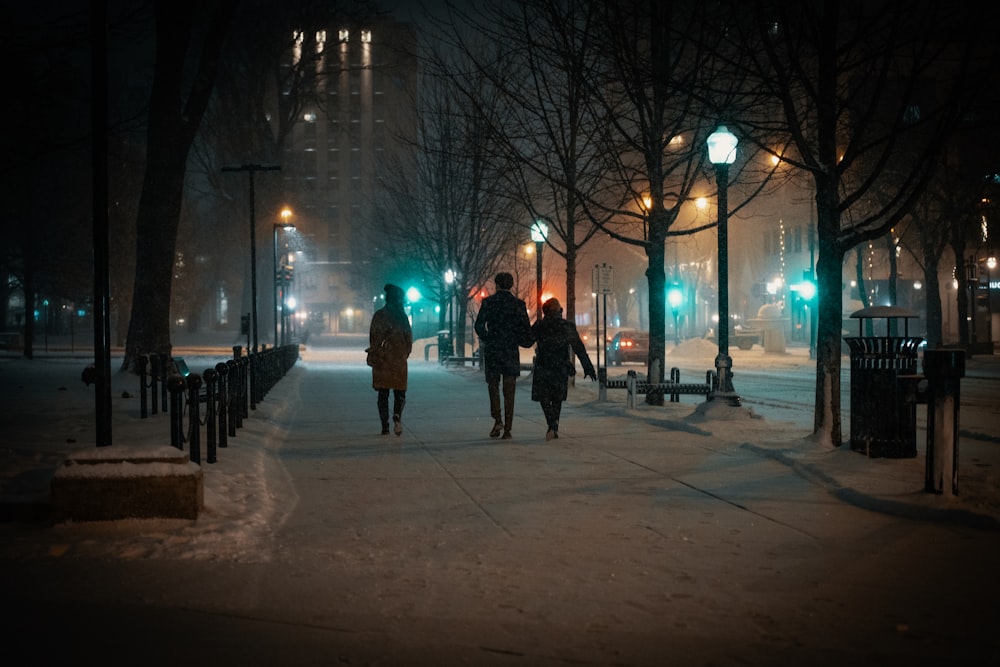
point(344, 35)
point(366, 36)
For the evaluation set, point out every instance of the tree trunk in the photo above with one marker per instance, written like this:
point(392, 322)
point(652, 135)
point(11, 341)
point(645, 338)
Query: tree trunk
point(829, 276)
point(827, 420)
point(173, 122)
point(932, 301)
point(657, 280)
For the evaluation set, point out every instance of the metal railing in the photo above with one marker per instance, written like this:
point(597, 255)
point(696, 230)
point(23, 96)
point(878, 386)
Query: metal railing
point(229, 390)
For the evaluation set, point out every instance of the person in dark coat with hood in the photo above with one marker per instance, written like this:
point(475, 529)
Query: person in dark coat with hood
point(502, 326)
point(556, 338)
point(391, 340)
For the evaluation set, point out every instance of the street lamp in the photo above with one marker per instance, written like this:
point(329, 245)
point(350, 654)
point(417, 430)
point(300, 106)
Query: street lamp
point(279, 293)
point(251, 169)
point(972, 281)
point(722, 153)
point(449, 279)
point(539, 232)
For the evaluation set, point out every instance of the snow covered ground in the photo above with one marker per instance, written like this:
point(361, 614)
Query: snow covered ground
point(47, 413)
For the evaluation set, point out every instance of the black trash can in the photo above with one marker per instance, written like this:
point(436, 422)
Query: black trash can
point(883, 412)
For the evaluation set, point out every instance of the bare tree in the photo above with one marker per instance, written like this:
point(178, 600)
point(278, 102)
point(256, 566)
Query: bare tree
point(547, 132)
point(451, 215)
point(927, 234)
point(867, 91)
point(667, 83)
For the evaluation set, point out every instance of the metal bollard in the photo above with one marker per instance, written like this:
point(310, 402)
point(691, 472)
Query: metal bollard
point(165, 364)
point(141, 363)
point(194, 384)
point(176, 387)
point(234, 407)
point(247, 385)
point(253, 359)
point(944, 369)
point(241, 391)
point(154, 360)
point(630, 390)
point(602, 384)
point(211, 377)
point(223, 370)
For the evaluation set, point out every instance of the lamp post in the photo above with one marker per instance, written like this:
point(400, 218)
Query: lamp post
point(722, 153)
point(539, 232)
point(972, 281)
point(991, 263)
point(279, 295)
point(449, 279)
point(251, 169)
point(288, 301)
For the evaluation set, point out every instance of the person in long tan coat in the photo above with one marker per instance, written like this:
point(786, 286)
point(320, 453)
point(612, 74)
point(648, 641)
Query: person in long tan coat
point(390, 343)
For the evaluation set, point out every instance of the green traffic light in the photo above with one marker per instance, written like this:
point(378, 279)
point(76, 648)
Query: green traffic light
point(675, 296)
point(807, 290)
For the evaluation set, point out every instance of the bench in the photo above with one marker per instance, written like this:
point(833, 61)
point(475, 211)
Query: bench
point(461, 361)
point(674, 387)
point(10, 340)
point(474, 360)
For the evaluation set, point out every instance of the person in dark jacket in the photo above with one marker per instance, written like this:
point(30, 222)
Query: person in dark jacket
point(502, 326)
point(391, 340)
point(557, 341)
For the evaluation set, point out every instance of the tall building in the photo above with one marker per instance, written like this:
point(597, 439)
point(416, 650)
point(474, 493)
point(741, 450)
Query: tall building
point(364, 113)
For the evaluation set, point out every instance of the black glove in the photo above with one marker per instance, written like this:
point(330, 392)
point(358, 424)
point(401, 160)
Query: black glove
point(590, 374)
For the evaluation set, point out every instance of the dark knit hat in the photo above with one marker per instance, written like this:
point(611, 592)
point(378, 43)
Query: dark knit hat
point(504, 280)
point(393, 293)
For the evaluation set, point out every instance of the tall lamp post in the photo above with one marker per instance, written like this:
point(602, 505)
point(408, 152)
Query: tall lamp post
point(991, 263)
point(449, 279)
point(279, 292)
point(972, 281)
point(539, 232)
point(722, 153)
point(251, 169)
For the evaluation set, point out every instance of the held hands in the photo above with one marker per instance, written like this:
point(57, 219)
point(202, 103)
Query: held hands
point(590, 374)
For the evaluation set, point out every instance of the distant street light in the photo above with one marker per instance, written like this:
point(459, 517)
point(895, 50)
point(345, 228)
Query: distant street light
point(279, 272)
point(675, 296)
point(539, 232)
point(722, 153)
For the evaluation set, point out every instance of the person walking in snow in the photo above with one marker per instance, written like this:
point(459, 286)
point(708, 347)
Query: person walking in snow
point(502, 326)
point(390, 340)
point(557, 339)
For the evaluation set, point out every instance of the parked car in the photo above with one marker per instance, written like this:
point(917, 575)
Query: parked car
point(628, 347)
